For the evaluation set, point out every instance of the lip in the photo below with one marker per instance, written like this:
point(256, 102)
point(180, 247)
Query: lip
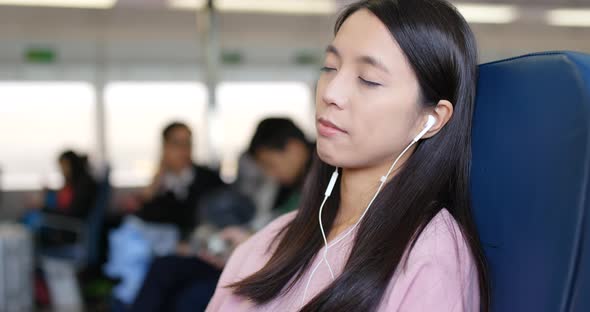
point(327, 128)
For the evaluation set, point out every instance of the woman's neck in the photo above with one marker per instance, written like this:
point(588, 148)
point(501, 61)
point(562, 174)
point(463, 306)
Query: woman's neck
point(358, 186)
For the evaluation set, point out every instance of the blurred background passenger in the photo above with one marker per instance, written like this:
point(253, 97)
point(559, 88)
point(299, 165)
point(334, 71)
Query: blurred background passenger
point(166, 211)
point(186, 282)
point(75, 198)
point(178, 185)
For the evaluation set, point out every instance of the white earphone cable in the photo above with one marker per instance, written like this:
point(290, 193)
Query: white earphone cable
point(324, 236)
point(328, 192)
point(332, 244)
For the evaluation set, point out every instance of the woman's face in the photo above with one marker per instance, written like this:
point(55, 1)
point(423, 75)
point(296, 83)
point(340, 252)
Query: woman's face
point(66, 169)
point(367, 106)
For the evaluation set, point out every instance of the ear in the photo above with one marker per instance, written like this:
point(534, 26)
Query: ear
point(443, 111)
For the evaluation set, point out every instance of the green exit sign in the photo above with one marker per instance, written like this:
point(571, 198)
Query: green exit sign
point(232, 57)
point(40, 56)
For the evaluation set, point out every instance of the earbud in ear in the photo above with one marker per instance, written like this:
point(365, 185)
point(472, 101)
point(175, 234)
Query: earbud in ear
point(429, 123)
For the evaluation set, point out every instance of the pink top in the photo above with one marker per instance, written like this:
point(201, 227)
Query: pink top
point(440, 273)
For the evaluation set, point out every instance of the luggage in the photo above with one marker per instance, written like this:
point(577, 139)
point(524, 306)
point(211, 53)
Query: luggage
point(64, 291)
point(16, 268)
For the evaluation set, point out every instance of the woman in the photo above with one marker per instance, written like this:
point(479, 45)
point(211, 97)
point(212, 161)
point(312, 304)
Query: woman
point(78, 194)
point(74, 199)
point(394, 107)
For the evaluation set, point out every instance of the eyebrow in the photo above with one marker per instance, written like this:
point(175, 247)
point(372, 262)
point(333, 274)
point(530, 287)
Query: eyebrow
point(365, 59)
point(373, 62)
point(332, 49)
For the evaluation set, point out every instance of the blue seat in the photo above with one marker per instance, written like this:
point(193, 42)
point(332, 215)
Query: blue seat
point(530, 180)
point(85, 251)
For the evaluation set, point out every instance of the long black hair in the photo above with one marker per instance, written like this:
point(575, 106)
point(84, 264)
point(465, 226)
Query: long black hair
point(79, 168)
point(440, 46)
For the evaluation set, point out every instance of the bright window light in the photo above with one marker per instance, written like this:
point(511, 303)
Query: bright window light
point(136, 113)
point(488, 13)
point(473, 12)
point(569, 17)
point(91, 4)
point(38, 120)
point(186, 4)
point(281, 6)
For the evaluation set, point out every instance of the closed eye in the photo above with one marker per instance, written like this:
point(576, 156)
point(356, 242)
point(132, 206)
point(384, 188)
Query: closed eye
point(327, 69)
point(369, 83)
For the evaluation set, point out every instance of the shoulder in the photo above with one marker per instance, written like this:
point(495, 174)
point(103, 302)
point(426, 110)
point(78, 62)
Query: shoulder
point(262, 238)
point(280, 222)
point(202, 170)
point(441, 245)
point(253, 254)
point(439, 272)
point(206, 175)
point(440, 233)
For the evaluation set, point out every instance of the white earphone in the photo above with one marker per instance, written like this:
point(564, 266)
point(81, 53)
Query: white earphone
point(429, 124)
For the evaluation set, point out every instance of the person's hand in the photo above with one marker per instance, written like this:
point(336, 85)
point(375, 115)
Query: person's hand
point(184, 249)
point(235, 235)
point(215, 261)
point(150, 191)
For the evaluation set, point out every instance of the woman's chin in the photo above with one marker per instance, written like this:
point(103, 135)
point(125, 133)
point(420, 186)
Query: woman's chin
point(340, 159)
point(330, 157)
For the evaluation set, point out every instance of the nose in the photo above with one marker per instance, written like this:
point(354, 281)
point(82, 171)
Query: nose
point(337, 90)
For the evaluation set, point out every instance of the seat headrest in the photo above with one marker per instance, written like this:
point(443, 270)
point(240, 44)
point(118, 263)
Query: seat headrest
point(530, 180)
